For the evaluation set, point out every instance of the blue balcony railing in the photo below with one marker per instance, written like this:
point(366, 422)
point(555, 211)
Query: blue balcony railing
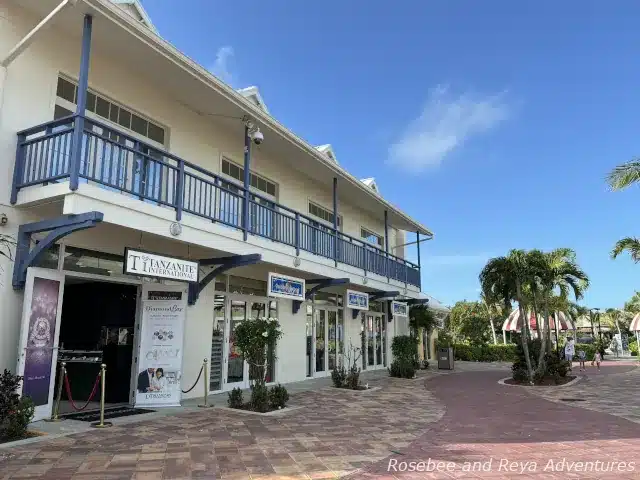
point(118, 162)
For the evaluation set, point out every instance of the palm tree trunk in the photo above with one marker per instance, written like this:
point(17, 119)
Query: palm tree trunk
point(493, 332)
point(523, 330)
point(543, 344)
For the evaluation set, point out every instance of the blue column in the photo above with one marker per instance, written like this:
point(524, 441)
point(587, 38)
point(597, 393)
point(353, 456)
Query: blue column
point(419, 267)
point(386, 243)
point(335, 220)
point(247, 183)
point(83, 84)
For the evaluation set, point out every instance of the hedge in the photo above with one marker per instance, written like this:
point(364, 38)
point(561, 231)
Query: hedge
point(485, 353)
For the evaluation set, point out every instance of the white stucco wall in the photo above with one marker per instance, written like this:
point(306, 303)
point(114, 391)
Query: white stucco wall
point(30, 96)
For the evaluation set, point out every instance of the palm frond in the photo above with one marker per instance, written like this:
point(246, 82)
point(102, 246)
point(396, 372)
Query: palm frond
point(624, 175)
point(629, 244)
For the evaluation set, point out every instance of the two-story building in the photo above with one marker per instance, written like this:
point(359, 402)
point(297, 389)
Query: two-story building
point(155, 209)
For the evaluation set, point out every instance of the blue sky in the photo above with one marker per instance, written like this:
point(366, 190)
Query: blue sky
point(494, 123)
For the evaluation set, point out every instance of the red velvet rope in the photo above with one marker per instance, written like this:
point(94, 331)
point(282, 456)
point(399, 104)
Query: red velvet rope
point(68, 388)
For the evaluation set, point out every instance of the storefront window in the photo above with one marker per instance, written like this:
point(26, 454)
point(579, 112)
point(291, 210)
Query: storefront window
point(217, 342)
point(90, 261)
point(49, 258)
point(221, 283)
point(324, 298)
point(247, 286)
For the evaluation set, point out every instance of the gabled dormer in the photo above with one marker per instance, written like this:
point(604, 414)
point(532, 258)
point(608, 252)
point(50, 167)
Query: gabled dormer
point(328, 152)
point(134, 9)
point(253, 95)
point(371, 183)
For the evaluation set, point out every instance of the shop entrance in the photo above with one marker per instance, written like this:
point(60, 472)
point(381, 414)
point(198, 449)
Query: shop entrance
point(96, 326)
point(229, 369)
point(325, 340)
point(374, 340)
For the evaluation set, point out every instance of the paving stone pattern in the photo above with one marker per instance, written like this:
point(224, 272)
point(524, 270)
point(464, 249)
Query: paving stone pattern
point(334, 433)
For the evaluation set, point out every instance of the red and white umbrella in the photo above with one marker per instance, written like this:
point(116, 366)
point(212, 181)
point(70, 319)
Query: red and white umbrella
point(514, 324)
point(635, 323)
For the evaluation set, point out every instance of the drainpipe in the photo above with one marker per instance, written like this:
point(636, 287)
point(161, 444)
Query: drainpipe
point(24, 43)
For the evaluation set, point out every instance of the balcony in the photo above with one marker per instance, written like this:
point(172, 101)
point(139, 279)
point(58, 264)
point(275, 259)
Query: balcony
point(118, 162)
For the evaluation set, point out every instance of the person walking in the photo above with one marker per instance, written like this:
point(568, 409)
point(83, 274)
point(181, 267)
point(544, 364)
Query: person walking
point(569, 351)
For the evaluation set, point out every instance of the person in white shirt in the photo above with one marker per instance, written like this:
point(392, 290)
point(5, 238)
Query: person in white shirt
point(159, 381)
point(569, 351)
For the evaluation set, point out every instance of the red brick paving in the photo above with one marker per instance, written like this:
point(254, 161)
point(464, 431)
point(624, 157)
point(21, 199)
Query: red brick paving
point(486, 422)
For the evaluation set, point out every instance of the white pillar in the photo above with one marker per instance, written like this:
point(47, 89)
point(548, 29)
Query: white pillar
point(504, 337)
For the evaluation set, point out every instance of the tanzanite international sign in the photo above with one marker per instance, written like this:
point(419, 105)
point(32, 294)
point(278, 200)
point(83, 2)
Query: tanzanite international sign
point(147, 264)
point(284, 286)
point(399, 309)
point(357, 300)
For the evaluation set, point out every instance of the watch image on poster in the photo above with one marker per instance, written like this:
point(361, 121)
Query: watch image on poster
point(40, 339)
point(160, 361)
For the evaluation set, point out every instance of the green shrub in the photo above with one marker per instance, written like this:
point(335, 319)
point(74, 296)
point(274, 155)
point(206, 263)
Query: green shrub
point(278, 397)
point(402, 369)
point(589, 350)
point(404, 348)
point(352, 380)
point(15, 412)
point(485, 353)
point(235, 399)
point(633, 348)
point(339, 376)
point(20, 418)
point(259, 398)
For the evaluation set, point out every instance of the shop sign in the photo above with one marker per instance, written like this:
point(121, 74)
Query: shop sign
point(161, 346)
point(146, 264)
point(284, 286)
point(357, 300)
point(399, 309)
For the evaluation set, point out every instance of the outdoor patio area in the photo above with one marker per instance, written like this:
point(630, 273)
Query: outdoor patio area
point(461, 417)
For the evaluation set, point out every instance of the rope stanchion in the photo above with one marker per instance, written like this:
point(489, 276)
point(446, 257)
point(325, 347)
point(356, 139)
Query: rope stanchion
point(102, 424)
point(56, 408)
point(196, 382)
point(68, 388)
point(206, 387)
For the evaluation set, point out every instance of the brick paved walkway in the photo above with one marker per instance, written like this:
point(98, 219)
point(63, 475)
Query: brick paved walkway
point(337, 434)
point(334, 433)
point(516, 430)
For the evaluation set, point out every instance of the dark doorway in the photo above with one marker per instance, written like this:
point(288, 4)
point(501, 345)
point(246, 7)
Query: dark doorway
point(97, 326)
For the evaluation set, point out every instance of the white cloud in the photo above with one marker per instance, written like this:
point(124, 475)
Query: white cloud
point(446, 122)
point(221, 68)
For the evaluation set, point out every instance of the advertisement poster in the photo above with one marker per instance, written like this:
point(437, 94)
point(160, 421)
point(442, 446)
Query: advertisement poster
point(40, 340)
point(161, 337)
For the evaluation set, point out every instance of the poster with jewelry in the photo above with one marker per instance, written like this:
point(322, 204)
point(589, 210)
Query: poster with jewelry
point(161, 344)
point(39, 337)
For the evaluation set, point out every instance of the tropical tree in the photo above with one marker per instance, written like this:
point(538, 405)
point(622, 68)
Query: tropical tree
point(619, 178)
point(633, 304)
point(612, 317)
point(504, 279)
point(555, 272)
point(494, 309)
point(576, 311)
point(628, 244)
point(468, 321)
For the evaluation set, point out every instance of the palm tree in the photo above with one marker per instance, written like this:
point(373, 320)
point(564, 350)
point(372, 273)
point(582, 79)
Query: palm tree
point(624, 175)
point(503, 279)
point(556, 271)
point(619, 178)
point(631, 245)
point(613, 316)
point(578, 311)
point(633, 305)
point(494, 310)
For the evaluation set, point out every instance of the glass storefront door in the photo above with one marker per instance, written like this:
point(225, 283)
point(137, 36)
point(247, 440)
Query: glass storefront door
point(242, 308)
point(328, 340)
point(374, 340)
point(237, 371)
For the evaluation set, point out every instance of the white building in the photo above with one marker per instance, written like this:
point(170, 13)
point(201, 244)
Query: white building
point(110, 138)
